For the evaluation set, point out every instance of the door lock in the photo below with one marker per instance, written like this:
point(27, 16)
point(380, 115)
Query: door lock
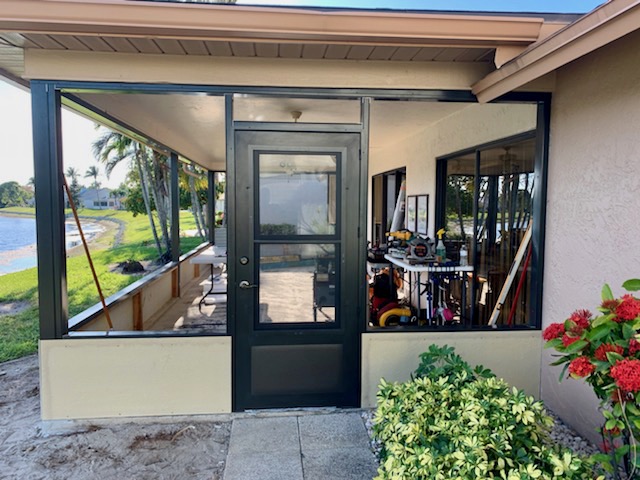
point(244, 284)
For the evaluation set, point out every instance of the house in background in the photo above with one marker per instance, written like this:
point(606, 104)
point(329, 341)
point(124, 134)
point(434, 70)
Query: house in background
point(320, 118)
point(99, 199)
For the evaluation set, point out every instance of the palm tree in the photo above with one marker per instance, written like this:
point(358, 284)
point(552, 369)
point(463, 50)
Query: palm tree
point(160, 190)
point(74, 187)
point(93, 171)
point(193, 180)
point(111, 148)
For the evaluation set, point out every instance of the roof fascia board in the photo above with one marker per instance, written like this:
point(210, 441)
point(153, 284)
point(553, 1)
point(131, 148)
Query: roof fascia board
point(233, 22)
point(604, 25)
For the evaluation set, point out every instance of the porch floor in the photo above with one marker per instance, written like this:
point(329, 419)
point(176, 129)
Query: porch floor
point(183, 312)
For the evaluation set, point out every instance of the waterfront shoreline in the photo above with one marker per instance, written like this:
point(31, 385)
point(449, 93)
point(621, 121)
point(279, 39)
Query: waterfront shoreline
point(29, 252)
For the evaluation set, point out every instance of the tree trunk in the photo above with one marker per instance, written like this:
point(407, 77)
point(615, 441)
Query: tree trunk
point(459, 208)
point(145, 197)
point(160, 196)
point(196, 209)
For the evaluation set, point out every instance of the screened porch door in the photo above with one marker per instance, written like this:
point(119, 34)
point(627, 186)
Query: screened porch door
point(296, 210)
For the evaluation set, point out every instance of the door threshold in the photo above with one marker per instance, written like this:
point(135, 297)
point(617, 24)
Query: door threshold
point(297, 411)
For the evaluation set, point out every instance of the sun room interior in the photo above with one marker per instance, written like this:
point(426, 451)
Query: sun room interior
point(462, 166)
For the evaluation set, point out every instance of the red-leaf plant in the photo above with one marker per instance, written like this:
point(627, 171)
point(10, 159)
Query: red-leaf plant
point(605, 352)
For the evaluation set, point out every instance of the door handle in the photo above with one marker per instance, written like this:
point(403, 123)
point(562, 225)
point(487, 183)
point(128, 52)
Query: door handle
point(246, 285)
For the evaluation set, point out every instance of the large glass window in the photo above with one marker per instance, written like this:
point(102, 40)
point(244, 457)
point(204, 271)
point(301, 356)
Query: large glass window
point(385, 190)
point(488, 207)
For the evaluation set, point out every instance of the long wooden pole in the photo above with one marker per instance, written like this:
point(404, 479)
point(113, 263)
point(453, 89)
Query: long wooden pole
point(523, 276)
point(512, 274)
point(86, 251)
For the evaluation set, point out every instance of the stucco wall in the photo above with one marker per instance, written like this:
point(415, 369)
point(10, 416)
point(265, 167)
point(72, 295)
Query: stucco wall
point(205, 70)
point(474, 125)
point(514, 356)
point(593, 196)
point(90, 378)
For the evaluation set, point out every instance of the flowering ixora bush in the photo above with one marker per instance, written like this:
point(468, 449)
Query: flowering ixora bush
point(605, 351)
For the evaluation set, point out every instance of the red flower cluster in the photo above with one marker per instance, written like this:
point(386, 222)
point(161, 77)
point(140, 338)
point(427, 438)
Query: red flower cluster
point(610, 304)
point(568, 340)
point(581, 367)
point(629, 309)
point(555, 330)
point(581, 318)
point(634, 346)
point(626, 373)
point(601, 351)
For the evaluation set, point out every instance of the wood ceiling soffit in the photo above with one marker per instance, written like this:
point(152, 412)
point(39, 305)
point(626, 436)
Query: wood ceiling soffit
point(170, 46)
point(145, 45)
point(219, 49)
point(267, 50)
point(337, 52)
point(121, 44)
point(97, 44)
point(44, 41)
point(194, 47)
point(405, 54)
point(243, 49)
point(316, 51)
point(360, 52)
point(383, 53)
point(290, 50)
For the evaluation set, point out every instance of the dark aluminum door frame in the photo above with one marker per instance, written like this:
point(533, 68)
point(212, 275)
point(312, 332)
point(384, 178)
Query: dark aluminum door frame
point(251, 337)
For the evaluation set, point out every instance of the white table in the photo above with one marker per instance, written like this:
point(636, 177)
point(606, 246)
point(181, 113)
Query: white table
point(213, 256)
point(431, 268)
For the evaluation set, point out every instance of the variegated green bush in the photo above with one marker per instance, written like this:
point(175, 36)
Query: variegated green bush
point(465, 426)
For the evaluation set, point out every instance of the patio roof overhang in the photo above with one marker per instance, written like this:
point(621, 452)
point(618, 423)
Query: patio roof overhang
point(197, 21)
point(605, 24)
point(110, 40)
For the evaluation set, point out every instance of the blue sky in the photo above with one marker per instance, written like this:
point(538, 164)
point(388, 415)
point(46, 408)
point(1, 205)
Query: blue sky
point(566, 6)
point(16, 161)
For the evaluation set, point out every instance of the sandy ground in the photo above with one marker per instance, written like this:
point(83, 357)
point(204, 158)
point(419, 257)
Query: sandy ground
point(106, 450)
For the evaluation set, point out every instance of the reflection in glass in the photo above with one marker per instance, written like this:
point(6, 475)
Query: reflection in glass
point(297, 283)
point(504, 208)
point(297, 194)
point(194, 226)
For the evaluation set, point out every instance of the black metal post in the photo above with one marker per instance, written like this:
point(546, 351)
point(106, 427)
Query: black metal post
point(474, 238)
point(175, 209)
point(539, 209)
point(48, 169)
point(211, 205)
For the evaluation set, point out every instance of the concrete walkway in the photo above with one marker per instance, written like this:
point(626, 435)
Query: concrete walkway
point(300, 447)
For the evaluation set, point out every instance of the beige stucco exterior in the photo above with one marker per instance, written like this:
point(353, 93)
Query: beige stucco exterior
point(202, 70)
point(593, 195)
point(90, 378)
point(514, 356)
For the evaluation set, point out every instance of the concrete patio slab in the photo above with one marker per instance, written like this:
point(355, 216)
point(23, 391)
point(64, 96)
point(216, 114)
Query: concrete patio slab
point(339, 430)
point(339, 464)
point(273, 465)
point(300, 446)
point(274, 434)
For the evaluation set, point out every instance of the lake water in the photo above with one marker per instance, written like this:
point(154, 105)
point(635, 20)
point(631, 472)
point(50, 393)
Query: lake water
point(18, 241)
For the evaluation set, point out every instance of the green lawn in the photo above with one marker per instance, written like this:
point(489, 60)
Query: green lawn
point(19, 333)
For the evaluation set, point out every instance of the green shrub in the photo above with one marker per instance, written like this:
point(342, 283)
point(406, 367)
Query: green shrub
point(454, 422)
point(438, 362)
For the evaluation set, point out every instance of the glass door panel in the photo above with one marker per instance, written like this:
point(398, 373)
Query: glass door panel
point(298, 283)
point(297, 194)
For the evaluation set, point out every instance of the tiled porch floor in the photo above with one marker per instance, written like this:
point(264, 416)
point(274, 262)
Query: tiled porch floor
point(182, 313)
point(285, 296)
